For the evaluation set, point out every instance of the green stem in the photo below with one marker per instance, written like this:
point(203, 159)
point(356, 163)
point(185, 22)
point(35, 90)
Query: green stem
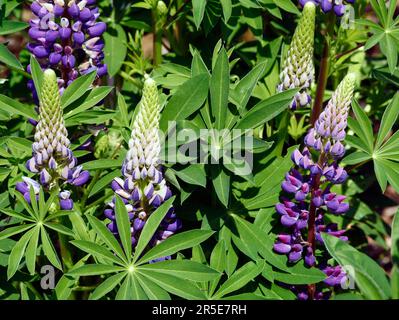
point(323, 72)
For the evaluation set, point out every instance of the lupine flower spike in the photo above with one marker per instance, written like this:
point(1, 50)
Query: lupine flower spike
point(66, 37)
point(143, 188)
point(298, 69)
point(338, 6)
point(52, 158)
point(309, 183)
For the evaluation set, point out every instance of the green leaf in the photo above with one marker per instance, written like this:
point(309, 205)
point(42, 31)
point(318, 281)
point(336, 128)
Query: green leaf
point(104, 181)
point(176, 243)
point(94, 270)
point(388, 120)
point(89, 99)
point(136, 290)
point(258, 241)
point(37, 75)
point(96, 250)
point(356, 157)
point(77, 88)
point(115, 48)
point(60, 228)
point(184, 269)
point(102, 164)
point(193, 174)
point(239, 279)
point(395, 239)
point(106, 236)
point(107, 286)
point(364, 124)
point(10, 231)
point(49, 249)
point(221, 183)
point(368, 275)
point(219, 88)
point(244, 89)
point(124, 292)
point(188, 98)
point(122, 106)
point(13, 107)
point(17, 253)
point(266, 110)
point(151, 226)
point(123, 224)
point(198, 65)
point(31, 250)
point(300, 274)
point(11, 26)
point(8, 58)
point(198, 11)
point(217, 262)
point(287, 5)
point(153, 291)
point(227, 9)
point(395, 282)
point(177, 286)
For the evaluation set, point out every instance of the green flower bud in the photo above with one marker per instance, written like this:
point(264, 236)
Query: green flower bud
point(144, 145)
point(298, 69)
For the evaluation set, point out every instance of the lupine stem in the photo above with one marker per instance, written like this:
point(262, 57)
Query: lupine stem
point(323, 72)
point(321, 84)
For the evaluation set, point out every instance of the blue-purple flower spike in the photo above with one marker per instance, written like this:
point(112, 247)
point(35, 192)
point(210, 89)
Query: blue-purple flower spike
point(66, 37)
point(52, 159)
point(144, 188)
point(338, 6)
point(308, 186)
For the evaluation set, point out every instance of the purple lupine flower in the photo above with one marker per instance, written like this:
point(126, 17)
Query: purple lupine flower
point(338, 6)
point(66, 37)
point(308, 186)
point(143, 187)
point(52, 159)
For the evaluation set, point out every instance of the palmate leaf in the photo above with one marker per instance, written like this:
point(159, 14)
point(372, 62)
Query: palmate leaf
point(382, 150)
point(107, 286)
point(368, 275)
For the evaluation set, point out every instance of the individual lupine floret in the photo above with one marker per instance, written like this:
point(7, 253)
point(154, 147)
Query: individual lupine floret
point(144, 188)
point(308, 186)
point(338, 6)
point(298, 69)
point(52, 158)
point(66, 36)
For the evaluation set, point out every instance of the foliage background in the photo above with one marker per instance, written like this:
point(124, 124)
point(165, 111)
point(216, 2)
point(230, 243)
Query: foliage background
point(235, 214)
